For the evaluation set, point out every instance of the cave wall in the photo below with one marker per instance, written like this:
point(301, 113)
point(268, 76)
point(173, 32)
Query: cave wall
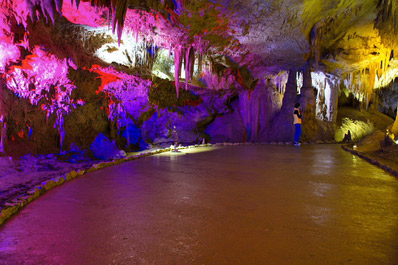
point(69, 74)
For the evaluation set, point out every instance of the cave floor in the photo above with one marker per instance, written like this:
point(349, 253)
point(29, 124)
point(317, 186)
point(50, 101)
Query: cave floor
point(250, 204)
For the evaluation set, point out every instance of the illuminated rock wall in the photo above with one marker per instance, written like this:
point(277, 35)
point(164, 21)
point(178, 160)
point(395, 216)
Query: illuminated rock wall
point(217, 70)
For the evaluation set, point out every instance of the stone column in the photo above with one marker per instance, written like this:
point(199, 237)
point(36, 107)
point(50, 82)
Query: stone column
point(307, 91)
point(290, 94)
point(308, 107)
point(282, 125)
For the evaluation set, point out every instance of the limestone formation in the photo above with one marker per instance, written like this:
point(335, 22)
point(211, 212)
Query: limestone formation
point(219, 70)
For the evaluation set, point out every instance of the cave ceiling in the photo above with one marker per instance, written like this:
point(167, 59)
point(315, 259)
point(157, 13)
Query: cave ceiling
point(337, 36)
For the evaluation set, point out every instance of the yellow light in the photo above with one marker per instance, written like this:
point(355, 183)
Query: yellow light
point(189, 150)
point(358, 129)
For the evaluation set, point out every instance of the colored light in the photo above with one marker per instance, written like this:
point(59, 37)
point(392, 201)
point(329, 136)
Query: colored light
point(358, 129)
point(8, 53)
point(86, 14)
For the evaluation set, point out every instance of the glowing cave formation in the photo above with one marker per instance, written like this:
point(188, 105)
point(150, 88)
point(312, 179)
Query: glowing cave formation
point(218, 70)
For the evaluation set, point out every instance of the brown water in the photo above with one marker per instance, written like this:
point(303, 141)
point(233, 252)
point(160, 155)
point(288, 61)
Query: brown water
point(254, 204)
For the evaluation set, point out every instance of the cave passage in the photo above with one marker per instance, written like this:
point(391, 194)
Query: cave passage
point(248, 204)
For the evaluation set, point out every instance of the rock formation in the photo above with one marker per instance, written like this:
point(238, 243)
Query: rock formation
point(219, 70)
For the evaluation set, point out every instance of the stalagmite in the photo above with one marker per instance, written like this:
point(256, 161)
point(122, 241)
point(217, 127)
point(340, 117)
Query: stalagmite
point(3, 133)
point(61, 133)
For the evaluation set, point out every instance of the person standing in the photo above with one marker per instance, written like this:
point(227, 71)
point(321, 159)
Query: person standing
point(297, 124)
point(175, 135)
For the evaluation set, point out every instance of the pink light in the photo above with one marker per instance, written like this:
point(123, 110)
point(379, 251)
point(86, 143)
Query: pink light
point(8, 53)
point(143, 23)
point(85, 14)
point(36, 75)
point(16, 8)
point(120, 90)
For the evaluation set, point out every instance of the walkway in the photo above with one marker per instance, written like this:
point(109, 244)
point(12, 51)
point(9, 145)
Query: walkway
point(251, 204)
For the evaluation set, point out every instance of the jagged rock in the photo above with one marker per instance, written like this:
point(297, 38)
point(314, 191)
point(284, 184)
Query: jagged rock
point(226, 128)
point(104, 149)
point(256, 108)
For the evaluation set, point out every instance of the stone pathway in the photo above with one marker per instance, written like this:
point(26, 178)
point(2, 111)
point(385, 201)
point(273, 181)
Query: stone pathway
point(248, 204)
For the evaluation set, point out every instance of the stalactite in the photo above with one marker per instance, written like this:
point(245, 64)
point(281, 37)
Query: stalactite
point(385, 61)
point(192, 63)
point(113, 16)
point(58, 6)
point(334, 96)
point(372, 75)
point(396, 20)
point(187, 63)
point(182, 56)
point(315, 42)
point(77, 3)
point(362, 88)
point(280, 81)
point(177, 67)
point(387, 20)
point(119, 34)
point(200, 58)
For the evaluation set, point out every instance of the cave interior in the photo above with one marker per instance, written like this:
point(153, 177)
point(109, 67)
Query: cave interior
point(78, 76)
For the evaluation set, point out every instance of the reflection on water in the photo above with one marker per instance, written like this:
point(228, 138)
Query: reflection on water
point(320, 189)
point(323, 163)
point(319, 215)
